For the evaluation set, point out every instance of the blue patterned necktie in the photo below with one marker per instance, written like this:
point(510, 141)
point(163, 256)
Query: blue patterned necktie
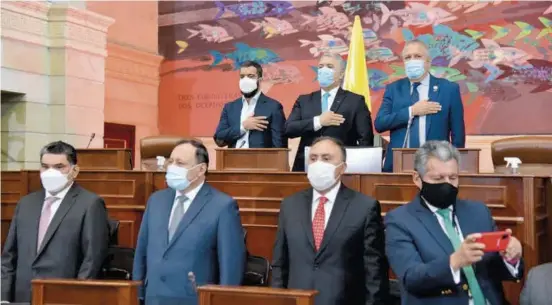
point(325, 99)
point(477, 294)
point(415, 127)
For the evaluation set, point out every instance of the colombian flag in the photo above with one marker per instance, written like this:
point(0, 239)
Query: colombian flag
point(356, 74)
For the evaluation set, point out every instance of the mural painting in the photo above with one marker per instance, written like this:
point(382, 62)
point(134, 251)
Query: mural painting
point(500, 52)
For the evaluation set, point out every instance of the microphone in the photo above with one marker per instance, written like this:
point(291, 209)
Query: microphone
point(242, 144)
point(192, 279)
point(407, 136)
point(92, 136)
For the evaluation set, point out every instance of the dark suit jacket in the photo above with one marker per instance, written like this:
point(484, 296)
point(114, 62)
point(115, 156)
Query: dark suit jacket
point(350, 268)
point(538, 286)
point(208, 242)
point(446, 125)
point(228, 129)
point(75, 244)
point(419, 254)
point(355, 131)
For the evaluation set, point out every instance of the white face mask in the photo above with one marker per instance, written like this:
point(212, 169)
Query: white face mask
point(321, 175)
point(53, 180)
point(248, 85)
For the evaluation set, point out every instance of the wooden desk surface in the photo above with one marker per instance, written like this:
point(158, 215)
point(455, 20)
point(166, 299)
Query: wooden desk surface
point(520, 202)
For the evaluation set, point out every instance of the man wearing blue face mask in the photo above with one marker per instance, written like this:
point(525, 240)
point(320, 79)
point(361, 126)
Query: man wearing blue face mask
point(330, 111)
point(420, 107)
point(60, 231)
point(191, 234)
point(331, 238)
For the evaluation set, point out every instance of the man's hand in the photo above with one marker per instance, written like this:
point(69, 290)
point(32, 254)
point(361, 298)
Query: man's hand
point(513, 251)
point(425, 107)
point(330, 118)
point(470, 252)
point(255, 123)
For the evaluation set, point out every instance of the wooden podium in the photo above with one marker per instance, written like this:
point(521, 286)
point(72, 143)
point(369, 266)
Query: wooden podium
point(247, 159)
point(104, 158)
point(84, 292)
point(403, 160)
point(224, 295)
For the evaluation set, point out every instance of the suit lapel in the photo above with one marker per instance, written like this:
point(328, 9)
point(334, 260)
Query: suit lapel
point(305, 216)
point(64, 207)
point(338, 100)
point(316, 101)
point(258, 111)
point(202, 197)
point(170, 196)
point(404, 91)
point(432, 225)
point(341, 203)
point(433, 95)
point(35, 214)
point(464, 217)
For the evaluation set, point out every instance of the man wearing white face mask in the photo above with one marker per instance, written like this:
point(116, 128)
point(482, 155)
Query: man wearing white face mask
point(254, 120)
point(58, 232)
point(330, 111)
point(331, 238)
point(189, 228)
point(420, 107)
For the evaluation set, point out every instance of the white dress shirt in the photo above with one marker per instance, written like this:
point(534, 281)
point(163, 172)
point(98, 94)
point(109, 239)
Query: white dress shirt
point(423, 93)
point(316, 120)
point(456, 274)
point(190, 195)
point(248, 109)
point(328, 206)
point(55, 205)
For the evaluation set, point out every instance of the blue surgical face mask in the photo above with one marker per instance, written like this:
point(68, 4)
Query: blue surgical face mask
point(177, 177)
point(326, 76)
point(414, 68)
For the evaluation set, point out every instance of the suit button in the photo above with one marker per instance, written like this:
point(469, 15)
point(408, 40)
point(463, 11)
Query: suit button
point(316, 266)
point(465, 287)
point(162, 278)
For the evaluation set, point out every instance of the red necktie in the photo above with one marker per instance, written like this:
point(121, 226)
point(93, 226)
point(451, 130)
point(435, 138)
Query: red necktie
point(318, 223)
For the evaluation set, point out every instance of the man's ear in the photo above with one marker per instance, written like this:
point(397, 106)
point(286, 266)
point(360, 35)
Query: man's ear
point(417, 179)
point(75, 171)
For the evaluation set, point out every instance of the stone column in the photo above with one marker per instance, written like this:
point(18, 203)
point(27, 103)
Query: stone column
point(53, 58)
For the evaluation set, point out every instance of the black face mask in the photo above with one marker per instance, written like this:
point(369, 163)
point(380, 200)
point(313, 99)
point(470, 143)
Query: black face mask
point(439, 195)
point(252, 93)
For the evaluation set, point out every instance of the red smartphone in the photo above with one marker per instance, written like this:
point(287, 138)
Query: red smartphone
point(494, 241)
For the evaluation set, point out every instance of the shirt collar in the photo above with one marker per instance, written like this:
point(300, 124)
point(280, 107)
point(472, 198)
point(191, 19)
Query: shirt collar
point(253, 99)
point(191, 194)
point(62, 193)
point(425, 80)
point(332, 92)
point(330, 195)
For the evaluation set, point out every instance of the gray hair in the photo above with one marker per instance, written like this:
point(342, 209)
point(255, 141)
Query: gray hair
point(442, 150)
point(338, 58)
point(418, 42)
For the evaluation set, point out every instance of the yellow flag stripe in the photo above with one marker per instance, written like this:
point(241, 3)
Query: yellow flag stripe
point(356, 74)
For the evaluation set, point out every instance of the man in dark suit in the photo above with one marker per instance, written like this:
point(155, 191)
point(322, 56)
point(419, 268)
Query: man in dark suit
point(60, 231)
point(431, 242)
point(254, 120)
point(330, 238)
point(190, 233)
point(330, 111)
point(420, 107)
point(538, 286)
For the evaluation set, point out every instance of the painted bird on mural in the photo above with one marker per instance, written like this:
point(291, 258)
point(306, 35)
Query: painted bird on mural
point(327, 43)
point(470, 6)
point(255, 9)
point(328, 19)
point(271, 27)
point(539, 74)
point(210, 33)
point(548, 27)
point(500, 31)
point(443, 40)
point(245, 53)
point(417, 14)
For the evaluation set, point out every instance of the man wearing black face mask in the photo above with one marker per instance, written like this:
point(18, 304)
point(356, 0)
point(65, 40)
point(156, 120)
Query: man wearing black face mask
point(431, 242)
point(254, 120)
